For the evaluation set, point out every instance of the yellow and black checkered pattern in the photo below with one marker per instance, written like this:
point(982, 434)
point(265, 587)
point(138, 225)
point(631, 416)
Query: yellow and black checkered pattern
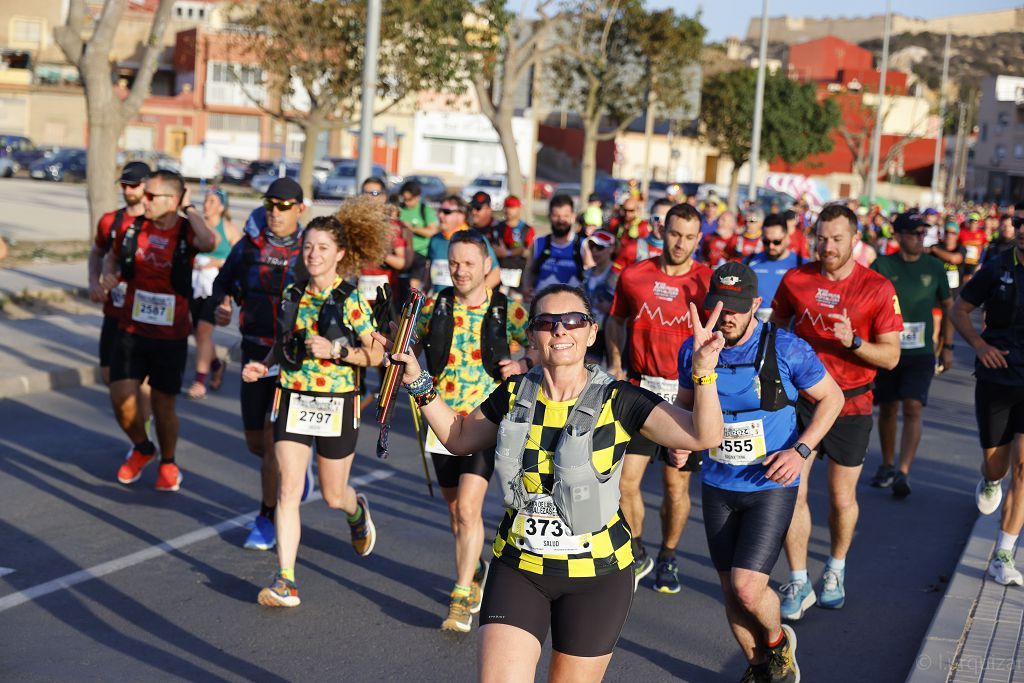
point(610, 549)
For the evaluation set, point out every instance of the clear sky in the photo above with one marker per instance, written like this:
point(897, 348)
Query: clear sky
point(730, 17)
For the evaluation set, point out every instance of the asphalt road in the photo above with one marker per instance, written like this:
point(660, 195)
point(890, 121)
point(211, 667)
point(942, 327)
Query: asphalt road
point(96, 592)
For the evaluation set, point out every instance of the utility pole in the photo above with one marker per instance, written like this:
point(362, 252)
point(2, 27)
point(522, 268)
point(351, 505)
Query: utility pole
point(942, 122)
point(755, 138)
point(959, 150)
point(645, 183)
point(364, 167)
point(876, 134)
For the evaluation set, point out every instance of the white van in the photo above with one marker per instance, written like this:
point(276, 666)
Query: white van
point(199, 162)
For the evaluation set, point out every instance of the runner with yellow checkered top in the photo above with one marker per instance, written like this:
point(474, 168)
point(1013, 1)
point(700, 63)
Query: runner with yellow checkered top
point(563, 552)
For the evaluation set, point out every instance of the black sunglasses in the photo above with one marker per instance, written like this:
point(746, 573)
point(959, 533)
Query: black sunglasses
point(445, 212)
point(767, 241)
point(546, 322)
point(373, 193)
point(280, 205)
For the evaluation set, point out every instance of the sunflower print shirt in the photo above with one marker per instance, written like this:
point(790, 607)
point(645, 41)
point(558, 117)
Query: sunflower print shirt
point(465, 384)
point(624, 411)
point(325, 376)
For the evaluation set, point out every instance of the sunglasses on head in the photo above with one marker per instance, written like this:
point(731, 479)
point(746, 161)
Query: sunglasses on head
point(131, 185)
point(279, 204)
point(546, 322)
point(774, 243)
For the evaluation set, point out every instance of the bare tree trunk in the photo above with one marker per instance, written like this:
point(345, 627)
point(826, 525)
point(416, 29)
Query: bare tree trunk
point(313, 125)
point(734, 186)
point(101, 162)
point(588, 167)
point(503, 126)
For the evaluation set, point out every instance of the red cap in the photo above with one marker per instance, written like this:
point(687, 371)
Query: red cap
point(512, 201)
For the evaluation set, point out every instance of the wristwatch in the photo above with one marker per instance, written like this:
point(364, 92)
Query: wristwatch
point(855, 343)
point(801, 448)
point(948, 347)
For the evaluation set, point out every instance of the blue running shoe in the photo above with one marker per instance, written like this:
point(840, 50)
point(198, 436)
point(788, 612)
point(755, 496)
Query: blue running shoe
point(833, 596)
point(797, 598)
point(263, 535)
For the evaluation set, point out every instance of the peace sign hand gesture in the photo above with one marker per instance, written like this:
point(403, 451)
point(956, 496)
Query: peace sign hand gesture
point(707, 343)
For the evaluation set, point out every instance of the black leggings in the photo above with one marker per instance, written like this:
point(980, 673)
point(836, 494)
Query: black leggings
point(746, 529)
point(585, 614)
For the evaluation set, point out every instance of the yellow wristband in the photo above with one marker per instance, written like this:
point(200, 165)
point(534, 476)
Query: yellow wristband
point(706, 379)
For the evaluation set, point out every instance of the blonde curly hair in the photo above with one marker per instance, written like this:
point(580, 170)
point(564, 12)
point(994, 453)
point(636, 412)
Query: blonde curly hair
point(362, 230)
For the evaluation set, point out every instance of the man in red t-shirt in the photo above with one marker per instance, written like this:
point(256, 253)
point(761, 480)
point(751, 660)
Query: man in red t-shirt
point(720, 246)
point(973, 239)
point(648, 322)
point(797, 236)
point(850, 316)
point(110, 225)
point(646, 247)
point(154, 322)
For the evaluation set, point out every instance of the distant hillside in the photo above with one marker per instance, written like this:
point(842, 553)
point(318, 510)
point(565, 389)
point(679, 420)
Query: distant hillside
point(971, 57)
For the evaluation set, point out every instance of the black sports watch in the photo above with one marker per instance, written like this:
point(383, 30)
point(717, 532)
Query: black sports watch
point(801, 448)
point(855, 344)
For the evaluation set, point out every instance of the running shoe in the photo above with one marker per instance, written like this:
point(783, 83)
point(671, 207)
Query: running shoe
point(833, 595)
point(263, 535)
point(988, 495)
point(642, 566)
point(131, 468)
point(459, 617)
point(364, 534)
point(666, 577)
point(281, 593)
point(1003, 569)
point(797, 598)
point(756, 673)
point(168, 478)
point(900, 486)
point(884, 476)
point(476, 589)
point(782, 666)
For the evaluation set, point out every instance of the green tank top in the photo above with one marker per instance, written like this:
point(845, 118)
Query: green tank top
point(223, 247)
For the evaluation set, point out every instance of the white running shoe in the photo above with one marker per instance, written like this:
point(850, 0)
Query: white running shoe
point(1003, 570)
point(988, 495)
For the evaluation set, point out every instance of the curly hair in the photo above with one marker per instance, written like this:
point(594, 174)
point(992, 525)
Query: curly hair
point(362, 230)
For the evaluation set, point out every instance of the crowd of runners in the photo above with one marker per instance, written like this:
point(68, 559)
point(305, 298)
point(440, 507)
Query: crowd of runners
point(740, 347)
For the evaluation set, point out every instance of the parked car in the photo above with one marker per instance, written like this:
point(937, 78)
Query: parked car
point(10, 144)
point(611, 190)
point(289, 169)
point(571, 189)
point(199, 162)
point(494, 185)
point(155, 160)
point(434, 189)
point(341, 183)
point(258, 167)
point(66, 165)
point(24, 159)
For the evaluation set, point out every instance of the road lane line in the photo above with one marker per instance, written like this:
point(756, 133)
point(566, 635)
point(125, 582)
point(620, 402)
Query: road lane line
point(191, 538)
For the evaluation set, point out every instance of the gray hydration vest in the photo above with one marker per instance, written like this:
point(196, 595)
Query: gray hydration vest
point(585, 498)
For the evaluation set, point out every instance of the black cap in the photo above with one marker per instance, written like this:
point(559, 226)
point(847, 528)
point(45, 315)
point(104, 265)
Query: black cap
point(909, 222)
point(135, 172)
point(284, 188)
point(735, 285)
point(480, 199)
point(594, 197)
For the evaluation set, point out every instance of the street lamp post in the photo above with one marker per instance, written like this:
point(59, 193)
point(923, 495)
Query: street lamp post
point(755, 138)
point(876, 134)
point(364, 165)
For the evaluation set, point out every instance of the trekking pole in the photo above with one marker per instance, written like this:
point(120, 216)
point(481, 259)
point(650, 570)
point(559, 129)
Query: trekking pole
point(417, 421)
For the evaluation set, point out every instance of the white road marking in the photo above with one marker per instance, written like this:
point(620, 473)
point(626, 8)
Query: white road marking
point(75, 578)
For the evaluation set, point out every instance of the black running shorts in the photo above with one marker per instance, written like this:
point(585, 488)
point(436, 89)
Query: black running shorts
point(331, 447)
point(161, 360)
point(585, 614)
point(847, 442)
point(641, 445)
point(202, 309)
point(108, 337)
point(257, 397)
point(999, 409)
point(450, 467)
point(910, 379)
point(746, 529)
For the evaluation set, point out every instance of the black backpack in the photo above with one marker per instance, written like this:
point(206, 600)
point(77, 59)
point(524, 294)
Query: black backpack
point(181, 260)
point(545, 254)
point(330, 322)
point(773, 393)
point(437, 345)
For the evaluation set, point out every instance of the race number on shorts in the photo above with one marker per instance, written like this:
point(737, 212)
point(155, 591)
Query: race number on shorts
point(315, 416)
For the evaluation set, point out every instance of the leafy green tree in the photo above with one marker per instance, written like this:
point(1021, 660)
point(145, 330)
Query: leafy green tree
point(617, 57)
point(311, 54)
point(795, 124)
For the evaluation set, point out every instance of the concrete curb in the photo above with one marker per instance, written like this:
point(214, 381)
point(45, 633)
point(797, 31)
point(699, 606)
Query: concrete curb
point(947, 634)
point(80, 375)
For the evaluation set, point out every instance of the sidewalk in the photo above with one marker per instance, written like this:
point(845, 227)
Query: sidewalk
point(53, 352)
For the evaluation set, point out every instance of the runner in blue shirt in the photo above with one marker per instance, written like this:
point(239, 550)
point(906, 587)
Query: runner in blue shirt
point(772, 263)
point(750, 481)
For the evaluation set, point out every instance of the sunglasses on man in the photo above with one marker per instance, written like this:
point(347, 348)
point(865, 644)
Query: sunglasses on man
point(546, 322)
point(774, 243)
point(279, 204)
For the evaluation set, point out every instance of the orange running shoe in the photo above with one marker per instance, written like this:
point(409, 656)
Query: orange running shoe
point(132, 467)
point(168, 478)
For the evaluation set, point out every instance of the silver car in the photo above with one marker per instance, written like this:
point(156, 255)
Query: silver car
point(341, 183)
